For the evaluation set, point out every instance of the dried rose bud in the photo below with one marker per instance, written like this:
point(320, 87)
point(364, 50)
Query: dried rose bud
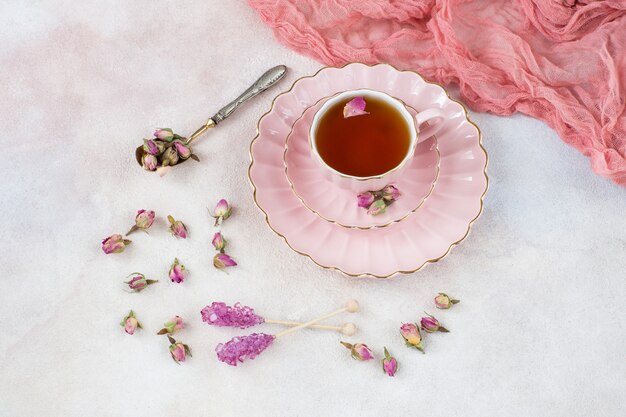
point(377, 207)
point(444, 302)
point(390, 364)
point(177, 272)
point(130, 323)
point(354, 107)
point(178, 350)
point(138, 282)
point(359, 351)
point(184, 151)
point(172, 326)
point(149, 162)
point(390, 193)
point(219, 243)
point(114, 244)
point(143, 220)
point(365, 200)
point(153, 147)
point(430, 324)
point(164, 134)
point(412, 336)
point(222, 260)
point(169, 157)
point(177, 228)
point(222, 211)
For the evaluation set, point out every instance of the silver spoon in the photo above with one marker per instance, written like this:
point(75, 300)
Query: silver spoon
point(263, 83)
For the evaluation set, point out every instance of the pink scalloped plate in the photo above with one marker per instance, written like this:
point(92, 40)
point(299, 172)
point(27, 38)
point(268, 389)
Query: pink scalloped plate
point(338, 205)
point(427, 235)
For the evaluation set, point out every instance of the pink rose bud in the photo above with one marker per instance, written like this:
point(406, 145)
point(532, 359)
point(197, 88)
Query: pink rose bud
point(184, 151)
point(222, 211)
point(172, 326)
point(114, 244)
point(143, 220)
point(444, 302)
point(177, 272)
point(359, 351)
point(178, 350)
point(377, 207)
point(219, 243)
point(430, 324)
point(164, 134)
point(390, 364)
point(365, 200)
point(391, 193)
point(149, 162)
point(354, 107)
point(177, 228)
point(153, 147)
point(221, 261)
point(130, 323)
point(138, 282)
point(169, 157)
point(412, 336)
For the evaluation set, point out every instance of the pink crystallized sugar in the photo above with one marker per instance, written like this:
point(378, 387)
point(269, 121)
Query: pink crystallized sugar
point(241, 348)
point(220, 314)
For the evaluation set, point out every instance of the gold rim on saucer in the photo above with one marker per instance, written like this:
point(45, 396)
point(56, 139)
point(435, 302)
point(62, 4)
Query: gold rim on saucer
point(336, 268)
point(348, 226)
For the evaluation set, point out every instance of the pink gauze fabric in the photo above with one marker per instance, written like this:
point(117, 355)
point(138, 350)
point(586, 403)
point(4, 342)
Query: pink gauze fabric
point(563, 62)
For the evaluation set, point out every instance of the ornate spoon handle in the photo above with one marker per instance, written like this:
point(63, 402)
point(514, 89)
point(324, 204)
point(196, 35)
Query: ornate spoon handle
point(263, 83)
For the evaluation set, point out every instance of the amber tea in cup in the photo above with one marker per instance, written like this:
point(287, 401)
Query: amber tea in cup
point(365, 145)
point(369, 147)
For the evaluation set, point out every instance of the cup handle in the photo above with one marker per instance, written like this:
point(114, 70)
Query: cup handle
point(435, 116)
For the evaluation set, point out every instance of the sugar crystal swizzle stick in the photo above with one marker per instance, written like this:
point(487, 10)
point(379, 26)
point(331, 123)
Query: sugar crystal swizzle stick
point(222, 315)
point(241, 348)
point(167, 149)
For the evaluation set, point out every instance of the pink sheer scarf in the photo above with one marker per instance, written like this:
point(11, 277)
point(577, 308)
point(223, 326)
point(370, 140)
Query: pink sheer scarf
point(563, 62)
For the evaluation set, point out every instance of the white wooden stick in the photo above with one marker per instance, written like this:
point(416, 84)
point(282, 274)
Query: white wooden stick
point(351, 306)
point(348, 329)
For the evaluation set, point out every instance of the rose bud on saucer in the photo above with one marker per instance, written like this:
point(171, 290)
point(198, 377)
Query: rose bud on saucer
point(430, 324)
point(359, 351)
point(412, 336)
point(177, 272)
point(222, 211)
point(172, 326)
point(390, 364)
point(114, 244)
point(164, 134)
point(221, 261)
point(138, 282)
point(218, 242)
point(177, 228)
point(130, 323)
point(444, 302)
point(365, 200)
point(391, 193)
point(377, 207)
point(149, 162)
point(178, 350)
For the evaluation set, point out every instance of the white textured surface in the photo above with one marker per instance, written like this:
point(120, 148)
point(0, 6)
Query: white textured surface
point(541, 277)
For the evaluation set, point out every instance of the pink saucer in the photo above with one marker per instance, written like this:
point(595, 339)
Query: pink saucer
point(338, 205)
point(426, 236)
